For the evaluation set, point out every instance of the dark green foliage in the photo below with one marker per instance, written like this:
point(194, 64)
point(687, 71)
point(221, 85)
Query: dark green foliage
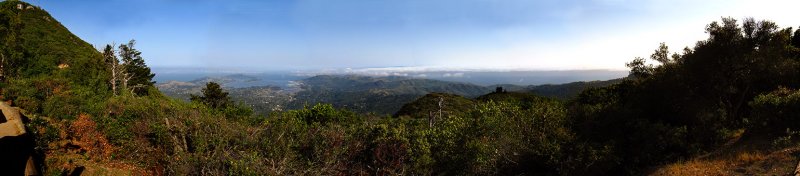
point(661, 54)
point(639, 69)
point(776, 111)
point(47, 44)
point(322, 114)
point(33, 47)
point(501, 133)
point(493, 138)
point(796, 38)
point(524, 100)
point(137, 76)
point(428, 105)
point(11, 52)
point(213, 96)
point(692, 102)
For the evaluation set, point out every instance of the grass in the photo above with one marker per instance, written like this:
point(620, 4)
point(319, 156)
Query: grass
point(68, 162)
point(751, 156)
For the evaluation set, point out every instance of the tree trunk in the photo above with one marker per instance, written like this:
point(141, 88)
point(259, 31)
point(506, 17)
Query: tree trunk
point(114, 78)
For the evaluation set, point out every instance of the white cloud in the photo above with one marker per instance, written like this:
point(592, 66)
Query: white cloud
point(455, 75)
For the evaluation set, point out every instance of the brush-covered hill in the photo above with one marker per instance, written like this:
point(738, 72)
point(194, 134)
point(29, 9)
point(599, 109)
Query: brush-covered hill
point(564, 91)
point(44, 64)
point(37, 44)
point(425, 106)
point(54, 77)
point(569, 90)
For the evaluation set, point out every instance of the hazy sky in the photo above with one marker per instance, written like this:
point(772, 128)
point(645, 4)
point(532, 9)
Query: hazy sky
point(316, 34)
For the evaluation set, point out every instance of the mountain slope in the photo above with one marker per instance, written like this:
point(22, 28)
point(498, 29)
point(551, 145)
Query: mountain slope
point(452, 104)
point(45, 44)
point(45, 64)
point(427, 105)
point(568, 90)
point(55, 77)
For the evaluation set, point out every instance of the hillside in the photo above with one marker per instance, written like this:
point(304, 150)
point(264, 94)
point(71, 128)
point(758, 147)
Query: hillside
point(51, 74)
point(428, 105)
point(569, 90)
point(741, 155)
point(46, 62)
point(41, 44)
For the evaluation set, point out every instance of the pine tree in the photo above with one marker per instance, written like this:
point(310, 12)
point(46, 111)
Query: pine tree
point(213, 96)
point(796, 38)
point(136, 76)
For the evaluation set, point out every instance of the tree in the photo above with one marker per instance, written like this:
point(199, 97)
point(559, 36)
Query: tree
point(639, 69)
point(136, 76)
point(796, 38)
point(109, 55)
point(213, 96)
point(11, 51)
point(661, 54)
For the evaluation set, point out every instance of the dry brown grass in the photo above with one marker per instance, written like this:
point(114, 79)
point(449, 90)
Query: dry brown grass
point(69, 162)
point(728, 165)
point(84, 134)
point(751, 157)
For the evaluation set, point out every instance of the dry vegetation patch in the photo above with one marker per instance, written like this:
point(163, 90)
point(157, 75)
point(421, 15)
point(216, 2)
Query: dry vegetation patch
point(753, 156)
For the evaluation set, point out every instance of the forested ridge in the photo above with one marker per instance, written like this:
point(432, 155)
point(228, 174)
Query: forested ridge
point(96, 109)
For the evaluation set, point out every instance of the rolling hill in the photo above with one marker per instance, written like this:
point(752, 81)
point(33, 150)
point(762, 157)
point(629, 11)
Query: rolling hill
point(363, 94)
point(379, 95)
point(569, 90)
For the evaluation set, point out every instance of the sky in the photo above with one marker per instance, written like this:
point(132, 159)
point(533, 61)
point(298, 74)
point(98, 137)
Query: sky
point(458, 34)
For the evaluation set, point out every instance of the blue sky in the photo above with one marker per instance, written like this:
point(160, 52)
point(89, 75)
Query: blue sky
point(475, 34)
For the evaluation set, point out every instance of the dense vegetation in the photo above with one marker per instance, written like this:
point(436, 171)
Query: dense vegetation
point(431, 104)
point(744, 76)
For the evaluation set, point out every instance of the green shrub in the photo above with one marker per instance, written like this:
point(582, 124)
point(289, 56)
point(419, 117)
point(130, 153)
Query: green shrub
point(323, 114)
point(776, 111)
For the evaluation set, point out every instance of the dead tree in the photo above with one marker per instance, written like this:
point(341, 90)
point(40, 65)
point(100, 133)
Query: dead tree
point(113, 62)
point(432, 116)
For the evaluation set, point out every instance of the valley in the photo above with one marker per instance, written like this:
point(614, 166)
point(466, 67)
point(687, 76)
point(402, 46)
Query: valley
point(380, 95)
